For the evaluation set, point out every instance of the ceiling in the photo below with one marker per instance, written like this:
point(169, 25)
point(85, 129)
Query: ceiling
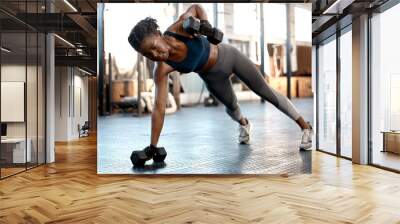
point(328, 15)
point(73, 21)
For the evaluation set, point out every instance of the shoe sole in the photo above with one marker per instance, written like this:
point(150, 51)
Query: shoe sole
point(306, 148)
point(244, 141)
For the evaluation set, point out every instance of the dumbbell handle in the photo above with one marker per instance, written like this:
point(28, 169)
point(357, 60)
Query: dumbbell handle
point(205, 27)
point(194, 26)
point(191, 25)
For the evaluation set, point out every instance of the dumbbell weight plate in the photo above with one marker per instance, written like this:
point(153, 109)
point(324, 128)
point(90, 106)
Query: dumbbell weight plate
point(216, 37)
point(160, 155)
point(138, 158)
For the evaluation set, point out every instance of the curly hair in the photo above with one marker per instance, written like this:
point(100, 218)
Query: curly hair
point(141, 30)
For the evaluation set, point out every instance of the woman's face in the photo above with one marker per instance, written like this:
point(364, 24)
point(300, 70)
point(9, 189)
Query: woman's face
point(155, 48)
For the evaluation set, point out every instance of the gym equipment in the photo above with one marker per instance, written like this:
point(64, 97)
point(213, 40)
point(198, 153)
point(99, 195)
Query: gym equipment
point(159, 155)
point(139, 158)
point(191, 25)
point(203, 27)
point(214, 35)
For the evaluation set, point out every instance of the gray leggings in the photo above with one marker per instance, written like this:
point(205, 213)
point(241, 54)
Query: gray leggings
point(230, 60)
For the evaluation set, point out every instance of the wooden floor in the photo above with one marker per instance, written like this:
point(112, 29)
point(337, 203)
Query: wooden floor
point(70, 191)
point(10, 171)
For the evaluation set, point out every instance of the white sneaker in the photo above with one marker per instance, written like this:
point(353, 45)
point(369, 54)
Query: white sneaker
point(306, 139)
point(244, 133)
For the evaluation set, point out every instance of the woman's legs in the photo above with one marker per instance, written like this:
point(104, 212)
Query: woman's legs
point(251, 76)
point(221, 88)
point(219, 84)
point(229, 61)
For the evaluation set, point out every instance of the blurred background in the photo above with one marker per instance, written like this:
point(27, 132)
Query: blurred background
point(258, 30)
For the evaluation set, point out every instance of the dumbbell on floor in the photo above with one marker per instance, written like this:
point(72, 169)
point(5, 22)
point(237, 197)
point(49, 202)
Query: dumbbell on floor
point(139, 158)
point(159, 155)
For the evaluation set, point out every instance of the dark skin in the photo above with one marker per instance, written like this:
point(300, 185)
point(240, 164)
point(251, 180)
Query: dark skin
point(160, 48)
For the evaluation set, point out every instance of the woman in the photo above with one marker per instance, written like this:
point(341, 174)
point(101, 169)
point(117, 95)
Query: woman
point(177, 50)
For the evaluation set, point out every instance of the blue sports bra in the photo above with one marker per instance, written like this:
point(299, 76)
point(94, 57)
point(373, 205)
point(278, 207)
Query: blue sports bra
point(198, 51)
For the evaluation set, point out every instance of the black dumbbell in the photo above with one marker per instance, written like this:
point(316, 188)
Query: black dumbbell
point(213, 35)
point(139, 158)
point(159, 155)
point(216, 36)
point(205, 28)
point(191, 25)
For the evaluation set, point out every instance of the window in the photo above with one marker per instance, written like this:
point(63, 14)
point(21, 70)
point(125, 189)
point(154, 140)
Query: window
point(346, 93)
point(385, 89)
point(23, 76)
point(327, 96)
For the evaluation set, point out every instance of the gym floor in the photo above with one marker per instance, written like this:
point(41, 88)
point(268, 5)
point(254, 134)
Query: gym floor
point(203, 140)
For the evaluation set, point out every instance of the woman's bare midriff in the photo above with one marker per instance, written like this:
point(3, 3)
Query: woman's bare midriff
point(212, 59)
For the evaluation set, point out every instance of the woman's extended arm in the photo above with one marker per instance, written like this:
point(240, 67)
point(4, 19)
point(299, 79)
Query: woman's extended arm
point(158, 114)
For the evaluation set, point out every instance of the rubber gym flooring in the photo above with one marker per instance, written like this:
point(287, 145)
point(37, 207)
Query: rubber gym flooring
point(203, 140)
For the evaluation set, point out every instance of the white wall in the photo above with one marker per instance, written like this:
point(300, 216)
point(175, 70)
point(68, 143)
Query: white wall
point(80, 109)
point(12, 101)
point(12, 73)
point(61, 103)
point(71, 94)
